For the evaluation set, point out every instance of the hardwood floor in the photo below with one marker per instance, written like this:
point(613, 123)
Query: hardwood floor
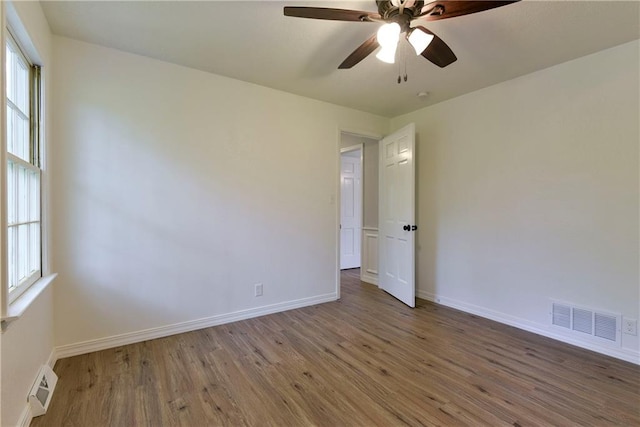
point(365, 360)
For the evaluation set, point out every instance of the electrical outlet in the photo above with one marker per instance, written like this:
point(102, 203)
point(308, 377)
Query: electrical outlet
point(630, 326)
point(258, 292)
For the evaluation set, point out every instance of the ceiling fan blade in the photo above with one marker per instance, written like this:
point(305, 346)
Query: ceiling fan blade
point(330, 14)
point(360, 53)
point(444, 9)
point(438, 51)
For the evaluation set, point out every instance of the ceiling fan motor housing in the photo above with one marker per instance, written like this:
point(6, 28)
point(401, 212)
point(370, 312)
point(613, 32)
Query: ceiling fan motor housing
point(391, 13)
point(386, 8)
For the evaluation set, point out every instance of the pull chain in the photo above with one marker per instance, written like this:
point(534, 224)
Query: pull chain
point(404, 59)
point(402, 63)
point(399, 66)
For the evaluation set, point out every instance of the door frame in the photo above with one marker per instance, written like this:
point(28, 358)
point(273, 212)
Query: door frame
point(339, 151)
point(343, 151)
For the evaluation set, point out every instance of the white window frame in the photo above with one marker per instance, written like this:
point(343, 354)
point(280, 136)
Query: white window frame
point(12, 307)
point(31, 166)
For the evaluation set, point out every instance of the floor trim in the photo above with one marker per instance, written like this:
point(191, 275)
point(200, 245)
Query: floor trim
point(25, 417)
point(619, 353)
point(192, 325)
point(369, 278)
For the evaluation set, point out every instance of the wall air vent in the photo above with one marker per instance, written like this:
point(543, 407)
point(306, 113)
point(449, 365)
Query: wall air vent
point(42, 390)
point(588, 324)
point(605, 326)
point(561, 315)
point(582, 321)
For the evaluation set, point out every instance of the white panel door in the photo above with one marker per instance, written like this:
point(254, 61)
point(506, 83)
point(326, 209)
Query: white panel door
point(396, 266)
point(350, 211)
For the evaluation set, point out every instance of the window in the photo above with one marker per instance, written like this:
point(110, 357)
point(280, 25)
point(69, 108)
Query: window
point(23, 171)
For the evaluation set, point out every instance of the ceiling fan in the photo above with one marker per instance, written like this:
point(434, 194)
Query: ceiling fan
point(397, 17)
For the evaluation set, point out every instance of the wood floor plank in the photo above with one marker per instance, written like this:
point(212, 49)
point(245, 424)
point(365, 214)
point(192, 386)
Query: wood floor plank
point(366, 360)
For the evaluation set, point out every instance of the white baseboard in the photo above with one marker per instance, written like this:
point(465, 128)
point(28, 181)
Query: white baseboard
point(546, 331)
point(192, 325)
point(368, 278)
point(25, 417)
point(53, 358)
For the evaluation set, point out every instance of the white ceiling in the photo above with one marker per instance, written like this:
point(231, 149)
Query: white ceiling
point(254, 42)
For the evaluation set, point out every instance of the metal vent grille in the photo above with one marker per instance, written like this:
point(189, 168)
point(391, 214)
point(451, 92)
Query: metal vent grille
point(561, 315)
point(583, 321)
point(587, 324)
point(41, 392)
point(605, 326)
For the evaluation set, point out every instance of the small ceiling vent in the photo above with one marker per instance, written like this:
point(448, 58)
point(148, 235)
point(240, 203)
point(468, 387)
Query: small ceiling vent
point(586, 323)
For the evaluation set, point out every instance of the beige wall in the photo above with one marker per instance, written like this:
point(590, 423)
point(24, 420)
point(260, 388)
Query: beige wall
point(528, 190)
point(2, 132)
point(28, 342)
point(178, 190)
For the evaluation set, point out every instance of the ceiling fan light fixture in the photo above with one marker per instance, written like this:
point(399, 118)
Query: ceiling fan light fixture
point(388, 36)
point(419, 40)
point(387, 54)
point(399, 16)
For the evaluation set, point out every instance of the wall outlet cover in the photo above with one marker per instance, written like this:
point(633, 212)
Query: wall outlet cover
point(630, 326)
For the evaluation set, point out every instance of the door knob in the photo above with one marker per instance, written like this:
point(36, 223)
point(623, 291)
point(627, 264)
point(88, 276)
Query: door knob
point(414, 227)
point(406, 227)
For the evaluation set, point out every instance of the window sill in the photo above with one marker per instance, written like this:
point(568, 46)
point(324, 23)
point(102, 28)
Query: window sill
point(20, 305)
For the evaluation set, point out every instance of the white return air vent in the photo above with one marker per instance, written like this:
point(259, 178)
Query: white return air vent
point(586, 323)
point(42, 390)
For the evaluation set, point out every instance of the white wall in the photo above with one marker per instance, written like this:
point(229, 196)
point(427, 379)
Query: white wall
point(370, 181)
point(2, 132)
point(528, 190)
point(177, 190)
point(28, 342)
point(26, 345)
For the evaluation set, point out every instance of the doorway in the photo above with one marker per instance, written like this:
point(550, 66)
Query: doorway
point(350, 206)
point(365, 236)
point(388, 190)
